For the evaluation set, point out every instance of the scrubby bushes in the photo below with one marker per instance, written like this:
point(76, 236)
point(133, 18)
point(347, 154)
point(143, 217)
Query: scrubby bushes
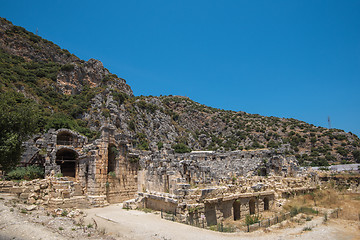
point(356, 155)
point(27, 173)
point(181, 148)
point(251, 219)
point(308, 210)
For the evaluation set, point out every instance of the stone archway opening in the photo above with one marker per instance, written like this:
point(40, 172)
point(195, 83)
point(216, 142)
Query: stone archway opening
point(64, 138)
point(66, 158)
point(266, 203)
point(236, 209)
point(112, 154)
point(252, 206)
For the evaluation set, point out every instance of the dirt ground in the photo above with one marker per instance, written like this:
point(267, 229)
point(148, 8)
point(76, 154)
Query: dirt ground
point(113, 222)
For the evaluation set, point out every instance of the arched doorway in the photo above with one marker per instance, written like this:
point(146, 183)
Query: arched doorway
point(66, 158)
point(112, 154)
point(64, 138)
point(236, 209)
point(266, 203)
point(252, 206)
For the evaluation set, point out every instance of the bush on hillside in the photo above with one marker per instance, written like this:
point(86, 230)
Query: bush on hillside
point(181, 148)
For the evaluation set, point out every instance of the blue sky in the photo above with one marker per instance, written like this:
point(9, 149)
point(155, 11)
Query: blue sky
point(293, 59)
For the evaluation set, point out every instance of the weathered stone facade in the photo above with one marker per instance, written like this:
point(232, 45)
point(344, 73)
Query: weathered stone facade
point(213, 203)
point(104, 169)
point(209, 187)
point(163, 172)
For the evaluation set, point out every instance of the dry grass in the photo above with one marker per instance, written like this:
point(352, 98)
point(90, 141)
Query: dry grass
point(349, 203)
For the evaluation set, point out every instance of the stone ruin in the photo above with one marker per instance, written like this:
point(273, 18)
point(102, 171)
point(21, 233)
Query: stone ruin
point(102, 172)
point(205, 187)
point(200, 186)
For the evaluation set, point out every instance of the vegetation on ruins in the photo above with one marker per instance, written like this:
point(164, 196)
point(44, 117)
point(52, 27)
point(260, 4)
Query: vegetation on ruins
point(112, 174)
point(251, 219)
point(26, 173)
point(181, 148)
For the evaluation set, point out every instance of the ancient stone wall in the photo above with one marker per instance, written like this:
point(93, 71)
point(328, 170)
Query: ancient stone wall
point(104, 169)
point(115, 172)
point(351, 183)
point(164, 172)
point(52, 192)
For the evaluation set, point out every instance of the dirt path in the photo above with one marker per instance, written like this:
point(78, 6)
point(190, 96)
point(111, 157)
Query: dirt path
point(123, 224)
point(18, 223)
point(14, 225)
point(130, 224)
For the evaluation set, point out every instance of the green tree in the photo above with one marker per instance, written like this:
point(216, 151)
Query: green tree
point(18, 119)
point(181, 148)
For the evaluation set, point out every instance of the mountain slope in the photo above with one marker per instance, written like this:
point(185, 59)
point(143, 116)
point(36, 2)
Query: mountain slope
point(83, 96)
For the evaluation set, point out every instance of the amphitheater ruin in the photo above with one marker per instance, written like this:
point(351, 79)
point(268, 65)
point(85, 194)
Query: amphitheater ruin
point(198, 186)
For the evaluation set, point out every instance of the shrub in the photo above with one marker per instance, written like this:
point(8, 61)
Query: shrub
point(144, 145)
point(342, 151)
point(132, 125)
point(356, 154)
point(272, 144)
point(120, 97)
point(294, 211)
point(27, 173)
point(112, 174)
point(106, 112)
point(251, 219)
point(308, 210)
point(134, 159)
point(160, 145)
point(59, 175)
point(340, 137)
point(64, 213)
point(67, 67)
point(181, 148)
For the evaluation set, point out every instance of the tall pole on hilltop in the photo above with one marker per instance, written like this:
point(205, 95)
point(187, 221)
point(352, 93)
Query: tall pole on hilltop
point(329, 122)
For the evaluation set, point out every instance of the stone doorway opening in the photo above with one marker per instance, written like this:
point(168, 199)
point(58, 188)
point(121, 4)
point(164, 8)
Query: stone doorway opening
point(236, 209)
point(66, 158)
point(266, 203)
point(112, 154)
point(252, 206)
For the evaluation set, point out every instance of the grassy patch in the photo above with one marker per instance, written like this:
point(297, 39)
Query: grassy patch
point(23, 210)
point(251, 219)
point(146, 210)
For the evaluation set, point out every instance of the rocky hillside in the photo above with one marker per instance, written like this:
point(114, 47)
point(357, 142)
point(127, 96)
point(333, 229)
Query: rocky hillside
point(83, 95)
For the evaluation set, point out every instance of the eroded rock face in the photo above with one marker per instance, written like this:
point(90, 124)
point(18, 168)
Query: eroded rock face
point(17, 41)
point(91, 73)
point(74, 74)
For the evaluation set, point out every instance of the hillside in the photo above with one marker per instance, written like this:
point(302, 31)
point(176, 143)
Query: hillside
point(65, 91)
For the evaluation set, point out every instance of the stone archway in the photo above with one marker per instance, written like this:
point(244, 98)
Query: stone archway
point(266, 203)
point(112, 154)
point(236, 210)
point(252, 206)
point(66, 159)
